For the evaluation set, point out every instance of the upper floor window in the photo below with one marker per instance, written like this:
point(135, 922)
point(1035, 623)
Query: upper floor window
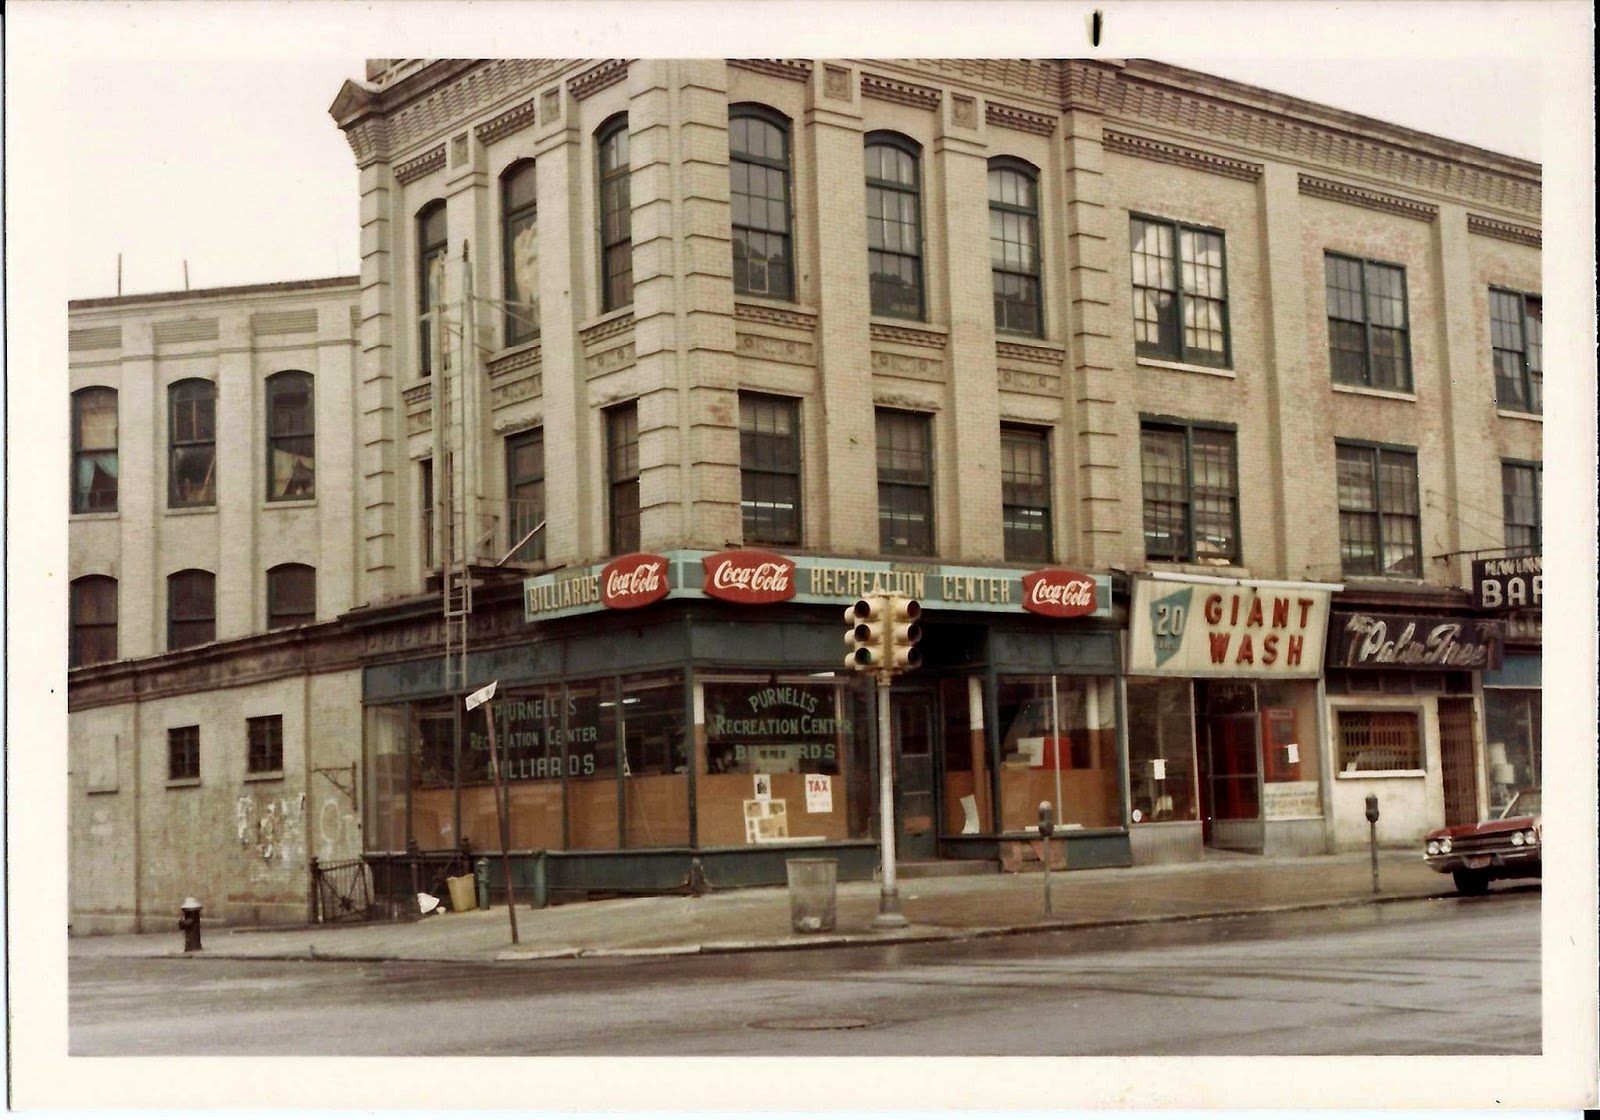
point(1025, 492)
point(1014, 246)
point(769, 468)
point(1191, 493)
point(291, 595)
point(519, 241)
point(291, 437)
point(905, 482)
point(94, 450)
point(622, 476)
point(894, 225)
point(1368, 329)
point(758, 192)
point(191, 608)
point(93, 623)
point(192, 436)
point(425, 507)
point(525, 494)
point(1516, 334)
point(1180, 292)
point(1380, 532)
point(1522, 495)
point(433, 244)
point(265, 744)
point(616, 215)
point(183, 753)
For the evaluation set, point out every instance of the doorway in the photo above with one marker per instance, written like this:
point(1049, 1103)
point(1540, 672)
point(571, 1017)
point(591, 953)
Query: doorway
point(1230, 763)
point(913, 719)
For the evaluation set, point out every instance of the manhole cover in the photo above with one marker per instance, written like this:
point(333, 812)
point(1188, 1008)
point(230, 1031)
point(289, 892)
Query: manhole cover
point(814, 1023)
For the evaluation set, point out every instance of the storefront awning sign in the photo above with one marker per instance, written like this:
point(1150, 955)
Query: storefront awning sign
point(1416, 642)
point(1238, 629)
point(754, 577)
point(1508, 583)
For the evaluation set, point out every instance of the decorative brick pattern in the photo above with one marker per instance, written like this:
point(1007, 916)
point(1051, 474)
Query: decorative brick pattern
point(611, 328)
point(905, 365)
point(521, 389)
point(95, 338)
point(591, 82)
point(1141, 147)
point(964, 111)
point(1030, 352)
point(1372, 200)
point(901, 93)
point(425, 164)
point(1020, 120)
point(776, 349)
point(1027, 381)
point(836, 83)
point(1505, 231)
point(609, 361)
point(911, 336)
point(795, 70)
point(284, 322)
point(185, 330)
point(523, 359)
point(776, 316)
point(514, 119)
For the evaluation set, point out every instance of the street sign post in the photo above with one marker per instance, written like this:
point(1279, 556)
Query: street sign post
point(501, 810)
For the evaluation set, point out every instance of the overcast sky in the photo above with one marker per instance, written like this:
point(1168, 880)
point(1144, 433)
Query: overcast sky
point(225, 156)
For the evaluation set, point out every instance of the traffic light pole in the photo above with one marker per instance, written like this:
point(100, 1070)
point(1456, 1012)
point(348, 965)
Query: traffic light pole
point(889, 916)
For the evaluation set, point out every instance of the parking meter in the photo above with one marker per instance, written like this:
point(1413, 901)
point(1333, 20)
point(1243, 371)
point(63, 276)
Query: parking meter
point(1372, 828)
point(1372, 807)
point(1047, 826)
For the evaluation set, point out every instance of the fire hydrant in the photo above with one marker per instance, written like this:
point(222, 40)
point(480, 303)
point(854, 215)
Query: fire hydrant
point(190, 924)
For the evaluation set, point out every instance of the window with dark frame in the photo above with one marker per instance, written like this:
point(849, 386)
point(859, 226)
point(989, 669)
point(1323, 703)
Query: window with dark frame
point(525, 494)
point(192, 438)
point(622, 476)
point(1368, 325)
point(1180, 292)
point(905, 483)
point(769, 469)
point(183, 754)
point(1014, 247)
point(265, 755)
point(1378, 740)
point(291, 437)
point(291, 595)
point(93, 622)
point(519, 246)
point(94, 450)
point(433, 243)
point(1522, 495)
point(1380, 531)
point(758, 195)
point(191, 608)
point(616, 215)
point(425, 513)
point(894, 226)
point(1516, 336)
point(1191, 493)
point(1025, 493)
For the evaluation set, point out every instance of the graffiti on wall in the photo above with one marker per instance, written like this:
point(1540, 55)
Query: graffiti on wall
point(271, 827)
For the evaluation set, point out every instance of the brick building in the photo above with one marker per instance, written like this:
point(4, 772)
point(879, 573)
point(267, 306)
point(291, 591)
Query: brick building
point(1196, 416)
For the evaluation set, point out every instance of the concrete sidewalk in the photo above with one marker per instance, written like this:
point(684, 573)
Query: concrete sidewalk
point(940, 908)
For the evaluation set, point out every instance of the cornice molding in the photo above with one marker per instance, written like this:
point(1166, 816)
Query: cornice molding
point(511, 363)
point(1372, 200)
point(611, 328)
point(775, 316)
point(1022, 120)
point(900, 92)
point(1504, 231)
point(1143, 147)
point(1040, 352)
point(413, 169)
point(795, 70)
point(514, 119)
point(911, 336)
point(417, 395)
point(595, 79)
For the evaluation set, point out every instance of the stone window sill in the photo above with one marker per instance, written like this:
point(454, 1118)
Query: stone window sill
point(264, 776)
point(1185, 367)
point(183, 783)
point(1384, 394)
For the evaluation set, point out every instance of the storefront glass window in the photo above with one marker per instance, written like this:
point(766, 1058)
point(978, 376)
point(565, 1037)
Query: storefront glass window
point(1161, 776)
point(1058, 743)
point(1512, 720)
point(589, 742)
point(655, 761)
point(433, 776)
point(967, 795)
point(385, 829)
point(785, 759)
point(1290, 758)
point(528, 738)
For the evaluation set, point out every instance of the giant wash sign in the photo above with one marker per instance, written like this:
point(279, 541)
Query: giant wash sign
point(1242, 629)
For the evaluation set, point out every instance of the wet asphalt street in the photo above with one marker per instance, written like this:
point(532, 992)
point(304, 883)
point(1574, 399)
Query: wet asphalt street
point(1431, 977)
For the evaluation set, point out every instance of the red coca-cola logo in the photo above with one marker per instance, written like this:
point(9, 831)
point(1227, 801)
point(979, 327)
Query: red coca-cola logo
point(749, 576)
point(1059, 593)
point(635, 580)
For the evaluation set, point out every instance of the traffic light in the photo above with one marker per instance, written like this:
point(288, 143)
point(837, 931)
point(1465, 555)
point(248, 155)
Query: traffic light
point(864, 636)
point(903, 634)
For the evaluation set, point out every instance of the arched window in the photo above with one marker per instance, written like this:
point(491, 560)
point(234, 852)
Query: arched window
point(1014, 246)
point(291, 437)
point(192, 444)
point(291, 595)
point(94, 450)
point(93, 621)
point(433, 241)
point(894, 225)
point(519, 246)
point(616, 214)
point(758, 193)
point(191, 608)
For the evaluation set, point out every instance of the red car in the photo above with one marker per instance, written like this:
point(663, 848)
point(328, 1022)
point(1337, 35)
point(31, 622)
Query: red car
point(1504, 848)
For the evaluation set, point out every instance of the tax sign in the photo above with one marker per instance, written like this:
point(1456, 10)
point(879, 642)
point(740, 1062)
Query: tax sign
point(749, 576)
point(1058, 593)
point(635, 580)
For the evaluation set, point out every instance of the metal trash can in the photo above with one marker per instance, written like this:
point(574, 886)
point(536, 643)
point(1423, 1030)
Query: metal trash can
point(463, 892)
point(813, 893)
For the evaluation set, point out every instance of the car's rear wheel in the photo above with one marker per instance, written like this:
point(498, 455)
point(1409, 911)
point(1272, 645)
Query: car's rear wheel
point(1471, 882)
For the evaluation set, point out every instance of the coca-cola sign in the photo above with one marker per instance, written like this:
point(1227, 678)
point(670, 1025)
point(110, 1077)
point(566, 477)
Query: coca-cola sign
point(749, 576)
point(1058, 593)
point(635, 580)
